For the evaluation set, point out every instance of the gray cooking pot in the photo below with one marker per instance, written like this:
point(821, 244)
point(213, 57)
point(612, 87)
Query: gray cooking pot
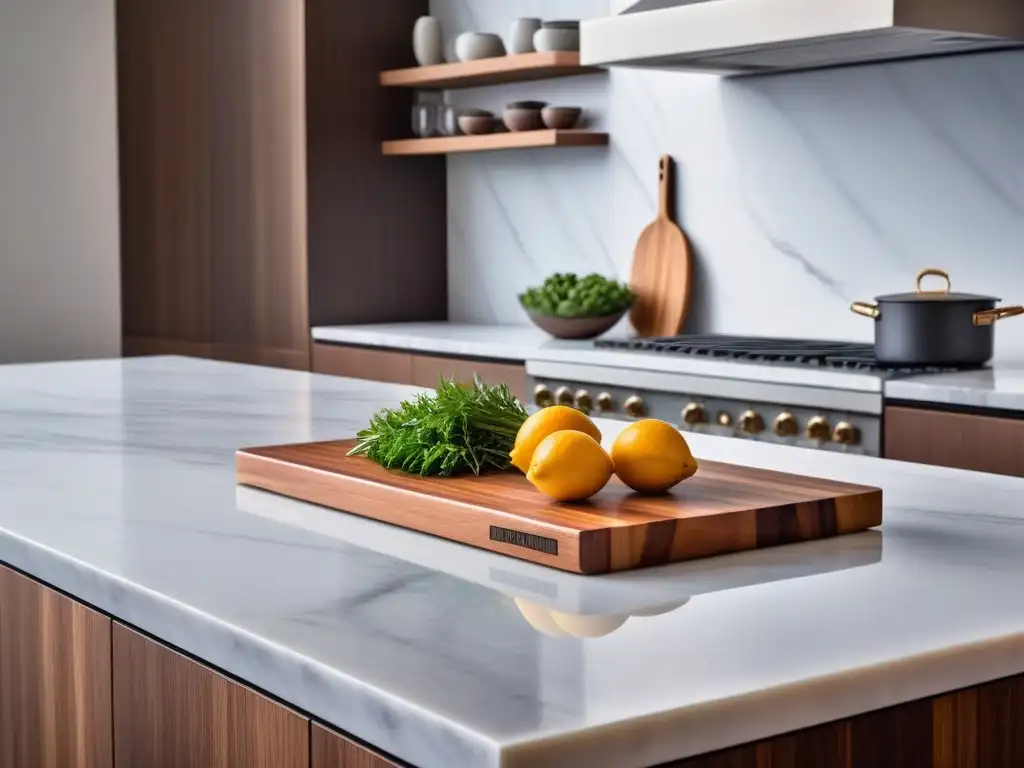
point(934, 328)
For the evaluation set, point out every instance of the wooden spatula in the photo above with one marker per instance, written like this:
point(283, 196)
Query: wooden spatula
point(662, 271)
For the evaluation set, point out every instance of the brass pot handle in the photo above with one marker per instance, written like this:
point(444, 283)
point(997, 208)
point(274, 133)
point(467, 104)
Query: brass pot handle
point(867, 310)
point(989, 316)
point(933, 272)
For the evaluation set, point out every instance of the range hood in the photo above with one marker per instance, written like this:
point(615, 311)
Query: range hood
point(751, 36)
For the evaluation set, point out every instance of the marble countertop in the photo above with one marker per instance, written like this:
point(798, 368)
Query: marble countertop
point(117, 486)
point(1000, 387)
point(509, 342)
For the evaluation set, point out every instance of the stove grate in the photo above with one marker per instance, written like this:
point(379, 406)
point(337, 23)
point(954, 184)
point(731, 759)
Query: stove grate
point(838, 355)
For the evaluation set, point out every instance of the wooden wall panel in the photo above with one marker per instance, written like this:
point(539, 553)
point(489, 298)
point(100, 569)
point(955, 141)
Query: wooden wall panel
point(965, 441)
point(55, 698)
point(332, 750)
point(213, 183)
point(170, 711)
point(377, 225)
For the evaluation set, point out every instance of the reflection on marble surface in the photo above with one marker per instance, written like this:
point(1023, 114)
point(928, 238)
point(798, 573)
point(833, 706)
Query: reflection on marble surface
point(800, 192)
point(633, 593)
point(1000, 387)
point(439, 667)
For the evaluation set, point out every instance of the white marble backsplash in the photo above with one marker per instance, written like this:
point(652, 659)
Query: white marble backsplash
point(800, 192)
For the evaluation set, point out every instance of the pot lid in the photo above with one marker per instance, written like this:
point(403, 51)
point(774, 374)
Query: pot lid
point(941, 294)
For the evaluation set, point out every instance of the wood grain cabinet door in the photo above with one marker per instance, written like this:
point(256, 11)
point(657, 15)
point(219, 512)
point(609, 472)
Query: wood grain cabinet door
point(332, 750)
point(170, 712)
point(363, 363)
point(54, 679)
point(427, 370)
point(960, 440)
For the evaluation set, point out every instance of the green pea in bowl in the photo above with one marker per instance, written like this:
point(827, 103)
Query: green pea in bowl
point(572, 307)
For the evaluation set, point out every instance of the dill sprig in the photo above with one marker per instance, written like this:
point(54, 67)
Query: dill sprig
point(455, 430)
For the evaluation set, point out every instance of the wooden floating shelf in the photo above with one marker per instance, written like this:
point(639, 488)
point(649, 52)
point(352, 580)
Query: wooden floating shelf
point(502, 69)
point(494, 141)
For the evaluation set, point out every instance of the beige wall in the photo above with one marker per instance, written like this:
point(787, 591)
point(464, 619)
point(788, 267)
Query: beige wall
point(59, 263)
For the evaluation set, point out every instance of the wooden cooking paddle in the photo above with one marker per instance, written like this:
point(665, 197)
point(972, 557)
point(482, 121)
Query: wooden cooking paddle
point(662, 270)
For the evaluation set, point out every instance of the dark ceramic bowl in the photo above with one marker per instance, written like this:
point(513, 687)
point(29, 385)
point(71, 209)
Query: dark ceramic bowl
point(526, 105)
point(524, 120)
point(561, 118)
point(475, 113)
point(477, 125)
point(575, 327)
point(560, 25)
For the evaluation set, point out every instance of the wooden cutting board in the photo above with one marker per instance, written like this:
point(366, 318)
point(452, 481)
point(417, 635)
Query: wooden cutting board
point(662, 267)
point(723, 508)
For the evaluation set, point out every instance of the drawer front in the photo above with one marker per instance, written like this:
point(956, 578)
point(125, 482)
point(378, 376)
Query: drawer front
point(426, 370)
point(363, 363)
point(963, 441)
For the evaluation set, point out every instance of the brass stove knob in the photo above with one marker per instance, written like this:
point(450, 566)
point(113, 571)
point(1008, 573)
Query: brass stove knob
point(694, 414)
point(751, 422)
point(786, 425)
point(635, 407)
point(542, 396)
point(605, 402)
point(818, 428)
point(583, 401)
point(846, 434)
point(564, 396)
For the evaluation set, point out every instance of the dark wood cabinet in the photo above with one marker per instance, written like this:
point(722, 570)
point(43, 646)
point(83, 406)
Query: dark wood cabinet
point(419, 370)
point(55, 695)
point(363, 363)
point(426, 370)
point(63, 704)
point(255, 201)
point(973, 728)
point(170, 711)
point(332, 750)
point(961, 440)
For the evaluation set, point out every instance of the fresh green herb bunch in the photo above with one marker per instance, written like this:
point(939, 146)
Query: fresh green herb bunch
point(456, 430)
point(566, 295)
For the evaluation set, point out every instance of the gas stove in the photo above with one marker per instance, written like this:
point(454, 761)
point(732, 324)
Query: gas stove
point(834, 355)
point(825, 395)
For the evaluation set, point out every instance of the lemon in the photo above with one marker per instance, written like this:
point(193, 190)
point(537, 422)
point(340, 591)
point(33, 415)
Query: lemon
point(651, 456)
point(543, 423)
point(570, 466)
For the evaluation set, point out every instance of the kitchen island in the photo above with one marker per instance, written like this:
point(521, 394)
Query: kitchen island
point(153, 613)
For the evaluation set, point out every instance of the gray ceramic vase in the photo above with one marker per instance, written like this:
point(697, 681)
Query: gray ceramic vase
point(520, 38)
point(428, 41)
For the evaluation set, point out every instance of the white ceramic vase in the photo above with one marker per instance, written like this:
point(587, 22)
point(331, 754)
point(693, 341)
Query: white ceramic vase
point(428, 41)
point(470, 46)
point(548, 40)
point(520, 39)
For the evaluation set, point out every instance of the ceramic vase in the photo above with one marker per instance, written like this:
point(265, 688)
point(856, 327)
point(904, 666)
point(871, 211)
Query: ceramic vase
point(428, 41)
point(520, 39)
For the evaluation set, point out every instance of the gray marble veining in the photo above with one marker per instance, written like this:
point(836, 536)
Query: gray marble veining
point(117, 485)
point(801, 192)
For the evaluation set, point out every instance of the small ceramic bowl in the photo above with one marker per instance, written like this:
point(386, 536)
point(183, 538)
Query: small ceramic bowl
point(561, 118)
point(575, 327)
point(477, 125)
point(524, 120)
point(526, 105)
point(470, 46)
